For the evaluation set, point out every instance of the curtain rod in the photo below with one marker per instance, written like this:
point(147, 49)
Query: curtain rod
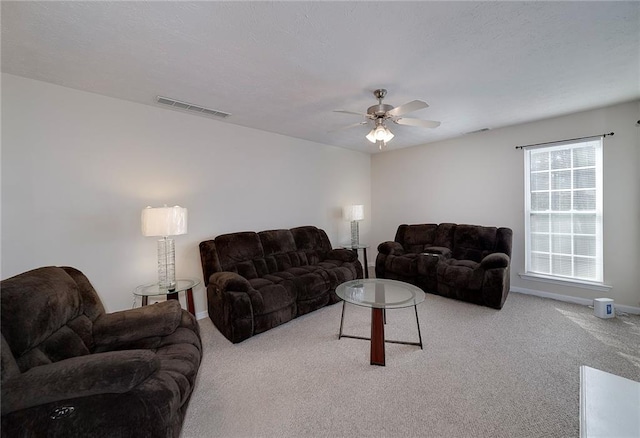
point(561, 141)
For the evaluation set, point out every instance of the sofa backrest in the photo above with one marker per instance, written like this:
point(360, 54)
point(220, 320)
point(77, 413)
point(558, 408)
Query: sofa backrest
point(313, 241)
point(466, 242)
point(504, 240)
point(417, 238)
point(474, 242)
point(280, 250)
point(254, 255)
point(241, 253)
point(47, 316)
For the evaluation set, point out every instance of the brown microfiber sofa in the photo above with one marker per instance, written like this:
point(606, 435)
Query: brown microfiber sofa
point(71, 370)
point(466, 262)
point(257, 281)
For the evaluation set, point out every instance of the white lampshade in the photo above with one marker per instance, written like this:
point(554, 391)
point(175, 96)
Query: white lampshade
point(164, 221)
point(354, 213)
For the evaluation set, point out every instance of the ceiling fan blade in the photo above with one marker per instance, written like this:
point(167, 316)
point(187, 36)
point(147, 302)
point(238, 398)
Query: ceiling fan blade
point(417, 122)
point(349, 126)
point(408, 107)
point(350, 112)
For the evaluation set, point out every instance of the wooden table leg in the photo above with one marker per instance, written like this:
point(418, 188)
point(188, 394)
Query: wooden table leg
point(377, 337)
point(366, 263)
point(145, 300)
point(190, 305)
point(189, 293)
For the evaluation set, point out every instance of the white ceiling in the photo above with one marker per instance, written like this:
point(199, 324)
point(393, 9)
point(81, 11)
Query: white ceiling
point(284, 66)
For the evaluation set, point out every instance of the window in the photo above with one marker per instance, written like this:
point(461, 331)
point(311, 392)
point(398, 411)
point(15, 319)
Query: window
point(563, 210)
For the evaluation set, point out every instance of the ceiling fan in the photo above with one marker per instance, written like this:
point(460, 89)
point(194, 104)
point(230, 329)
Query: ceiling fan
point(381, 112)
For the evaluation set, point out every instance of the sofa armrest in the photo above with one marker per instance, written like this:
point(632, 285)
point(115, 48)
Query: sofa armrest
point(100, 373)
point(225, 280)
point(495, 260)
point(161, 319)
point(230, 306)
point(342, 254)
point(390, 248)
point(438, 250)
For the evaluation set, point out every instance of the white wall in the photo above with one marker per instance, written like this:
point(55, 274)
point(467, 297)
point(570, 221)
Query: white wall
point(479, 179)
point(77, 169)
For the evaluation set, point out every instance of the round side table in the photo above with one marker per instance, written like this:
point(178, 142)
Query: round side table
point(182, 285)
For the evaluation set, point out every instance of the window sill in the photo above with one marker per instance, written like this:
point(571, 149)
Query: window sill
point(565, 282)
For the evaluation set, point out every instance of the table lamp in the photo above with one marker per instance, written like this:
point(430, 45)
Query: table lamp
point(164, 222)
point(354, 213)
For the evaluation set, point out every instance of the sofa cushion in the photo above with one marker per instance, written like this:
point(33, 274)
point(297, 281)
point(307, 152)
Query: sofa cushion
point(91, 305)
point(403, 265)
point(278, 277)
point(313, 241)
point(126, 326)
point(337, 272)
point(277, 241)
point(237, 252)
point(460, 274)
point(8, 365)
point(42, 315)
point(267, 297)
point(280, 250)
point(63, 344)
point(444, 235)
point(472, 242)
point(417, 237)
point(310, 285)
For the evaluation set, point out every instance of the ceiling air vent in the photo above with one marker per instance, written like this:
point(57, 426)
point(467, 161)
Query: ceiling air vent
point(478, 130)
point(191, 107)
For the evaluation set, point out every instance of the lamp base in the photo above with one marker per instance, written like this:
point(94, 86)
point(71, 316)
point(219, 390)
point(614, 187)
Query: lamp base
point(355, 234)
point(167, 264)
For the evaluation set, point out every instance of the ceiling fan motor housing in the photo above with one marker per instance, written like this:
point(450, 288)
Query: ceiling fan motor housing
point(379, 110)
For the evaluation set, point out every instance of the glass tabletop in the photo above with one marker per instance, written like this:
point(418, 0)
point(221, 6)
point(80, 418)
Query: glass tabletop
point(361, 246)
point(155, 289)
point(380, 293)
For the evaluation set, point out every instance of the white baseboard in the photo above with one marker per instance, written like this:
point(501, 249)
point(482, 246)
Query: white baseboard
point(521, 290)
point(570, 299)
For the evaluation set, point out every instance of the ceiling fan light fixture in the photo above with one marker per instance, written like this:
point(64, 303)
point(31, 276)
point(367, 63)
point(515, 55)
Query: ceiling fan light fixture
point(381, 112)
point(379, 133)
point(371, 136)
point(389, 135)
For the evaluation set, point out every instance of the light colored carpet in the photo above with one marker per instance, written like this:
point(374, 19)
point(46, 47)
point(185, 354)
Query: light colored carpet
point(482, 373)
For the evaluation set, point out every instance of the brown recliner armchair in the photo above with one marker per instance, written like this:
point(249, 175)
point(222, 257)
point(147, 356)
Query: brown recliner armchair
point(466, 262)
point(71, 370)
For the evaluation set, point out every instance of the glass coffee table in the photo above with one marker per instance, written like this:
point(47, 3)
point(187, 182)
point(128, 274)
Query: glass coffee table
point(380, 294)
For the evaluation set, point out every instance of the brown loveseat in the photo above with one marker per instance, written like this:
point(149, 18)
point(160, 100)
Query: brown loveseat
point(257, 281)
point(466, 262)
point(71, 370)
